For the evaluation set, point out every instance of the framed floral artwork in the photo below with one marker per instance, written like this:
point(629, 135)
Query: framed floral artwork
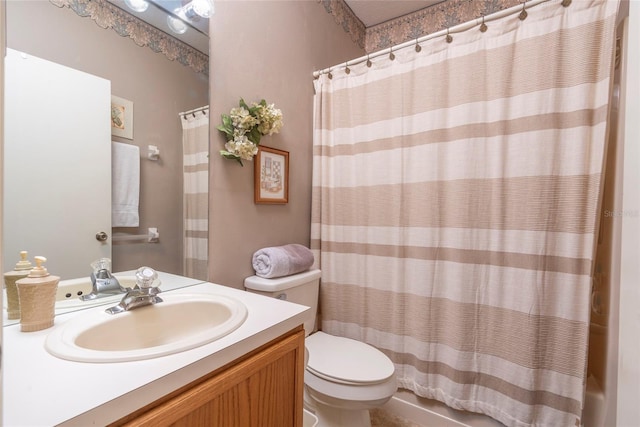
point(121, 117)
point(271, 176)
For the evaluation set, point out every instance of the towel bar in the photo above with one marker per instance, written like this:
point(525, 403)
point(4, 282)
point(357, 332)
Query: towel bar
point(153, 236)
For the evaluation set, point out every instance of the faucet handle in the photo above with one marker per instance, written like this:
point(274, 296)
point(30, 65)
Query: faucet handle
point(101, 264)
point(145, 277)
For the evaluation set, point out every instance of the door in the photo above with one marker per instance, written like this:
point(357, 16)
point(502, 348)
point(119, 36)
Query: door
point(57, 137)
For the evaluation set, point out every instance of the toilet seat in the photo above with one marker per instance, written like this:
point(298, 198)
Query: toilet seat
point(346, 361)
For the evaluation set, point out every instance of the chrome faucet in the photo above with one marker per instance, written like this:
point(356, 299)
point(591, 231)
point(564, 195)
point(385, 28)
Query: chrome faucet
point(102, 281)
point(145, 292)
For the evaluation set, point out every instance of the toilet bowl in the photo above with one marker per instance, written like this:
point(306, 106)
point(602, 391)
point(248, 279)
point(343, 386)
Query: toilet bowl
point(343, 378)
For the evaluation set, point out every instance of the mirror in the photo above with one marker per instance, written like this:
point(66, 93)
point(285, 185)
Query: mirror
point(159, 90)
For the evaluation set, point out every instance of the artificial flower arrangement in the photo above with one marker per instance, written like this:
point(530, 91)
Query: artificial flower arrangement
point(244, 126)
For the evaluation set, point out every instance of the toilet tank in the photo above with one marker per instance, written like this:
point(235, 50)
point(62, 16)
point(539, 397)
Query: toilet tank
point(301, 288)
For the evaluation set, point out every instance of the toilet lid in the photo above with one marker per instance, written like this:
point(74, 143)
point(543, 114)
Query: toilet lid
point(345, 360)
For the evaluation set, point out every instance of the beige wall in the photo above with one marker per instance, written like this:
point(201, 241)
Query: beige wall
point(2, 52)
point(628, 410)
point(159, 88)
point(265, 49)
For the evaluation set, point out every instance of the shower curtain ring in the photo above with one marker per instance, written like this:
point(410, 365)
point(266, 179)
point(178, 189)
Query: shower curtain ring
point(483, 27)
point(347, 70)
point(449, 38)
point(391, 55)
point(523, 15)
point(368, 62)
point(566, 3)
point(418, 47)
point(330, 75)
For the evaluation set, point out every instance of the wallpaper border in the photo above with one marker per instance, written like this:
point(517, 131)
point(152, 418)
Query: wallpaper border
point(432, 19)
point(344, 16)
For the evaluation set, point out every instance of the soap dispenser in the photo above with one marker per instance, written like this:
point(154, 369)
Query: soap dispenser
point(20, 271)
point(37, 293)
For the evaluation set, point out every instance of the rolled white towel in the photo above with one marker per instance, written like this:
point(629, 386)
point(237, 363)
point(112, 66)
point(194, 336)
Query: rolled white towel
point(280, 261)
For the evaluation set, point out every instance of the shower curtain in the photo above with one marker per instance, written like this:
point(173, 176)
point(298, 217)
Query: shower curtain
point(195, 144)
point(455, 200)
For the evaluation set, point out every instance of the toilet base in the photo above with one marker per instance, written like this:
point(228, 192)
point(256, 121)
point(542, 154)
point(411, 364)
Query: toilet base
point(343, 405)
point(329, 416)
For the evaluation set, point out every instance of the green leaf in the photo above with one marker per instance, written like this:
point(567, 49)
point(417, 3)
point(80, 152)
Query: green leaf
point(226, 126)
point(255, 135)
point(243, 104)
point(230, 156)
point(227, 131)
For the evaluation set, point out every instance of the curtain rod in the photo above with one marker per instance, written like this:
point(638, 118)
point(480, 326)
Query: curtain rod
point(521, 9)
point(194, 111)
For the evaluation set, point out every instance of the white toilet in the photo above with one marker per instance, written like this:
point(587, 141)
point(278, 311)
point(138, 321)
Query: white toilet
point(344, 378)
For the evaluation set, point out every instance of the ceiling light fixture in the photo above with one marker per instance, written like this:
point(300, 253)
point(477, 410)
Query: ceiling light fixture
point(176, 25)
point(193, 9)
point(202, 8)
point(137, 5)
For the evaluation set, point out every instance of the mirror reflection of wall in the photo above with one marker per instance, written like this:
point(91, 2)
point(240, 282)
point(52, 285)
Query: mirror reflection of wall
point(159, 88)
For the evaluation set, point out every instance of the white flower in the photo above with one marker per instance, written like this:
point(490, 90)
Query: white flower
point(269, 118)
point(245, 125)
point(241, 118)
point(242, 148)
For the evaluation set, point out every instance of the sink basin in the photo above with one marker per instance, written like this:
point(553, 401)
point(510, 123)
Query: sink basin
point(181, 322)
point(69, 292)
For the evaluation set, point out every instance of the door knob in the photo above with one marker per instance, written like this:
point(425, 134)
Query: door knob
point(102, 236)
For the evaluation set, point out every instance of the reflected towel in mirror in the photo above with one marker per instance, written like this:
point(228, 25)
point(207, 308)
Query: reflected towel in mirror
point(125, 185)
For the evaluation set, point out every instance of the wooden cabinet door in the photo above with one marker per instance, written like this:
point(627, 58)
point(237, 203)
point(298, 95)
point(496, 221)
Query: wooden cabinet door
point(264, 390)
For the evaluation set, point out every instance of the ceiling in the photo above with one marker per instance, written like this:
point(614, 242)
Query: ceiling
point(373, 12)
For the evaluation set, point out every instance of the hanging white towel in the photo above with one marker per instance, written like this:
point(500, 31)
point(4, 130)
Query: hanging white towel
point(125, 185)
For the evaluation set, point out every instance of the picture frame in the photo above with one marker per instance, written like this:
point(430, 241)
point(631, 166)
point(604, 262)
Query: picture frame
point(121, 117)
point(271, 176)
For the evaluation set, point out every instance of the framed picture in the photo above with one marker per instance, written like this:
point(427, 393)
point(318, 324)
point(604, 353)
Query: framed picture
point(121, 117)
point(271, 176)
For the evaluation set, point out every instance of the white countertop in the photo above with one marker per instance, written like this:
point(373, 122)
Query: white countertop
point(42, 390)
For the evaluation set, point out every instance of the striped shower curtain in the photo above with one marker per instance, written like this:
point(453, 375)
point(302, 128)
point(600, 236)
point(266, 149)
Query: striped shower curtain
point(455, 201)
point(195, 145)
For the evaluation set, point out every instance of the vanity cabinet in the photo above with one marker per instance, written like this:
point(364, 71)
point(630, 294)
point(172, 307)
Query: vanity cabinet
point(262, 389)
